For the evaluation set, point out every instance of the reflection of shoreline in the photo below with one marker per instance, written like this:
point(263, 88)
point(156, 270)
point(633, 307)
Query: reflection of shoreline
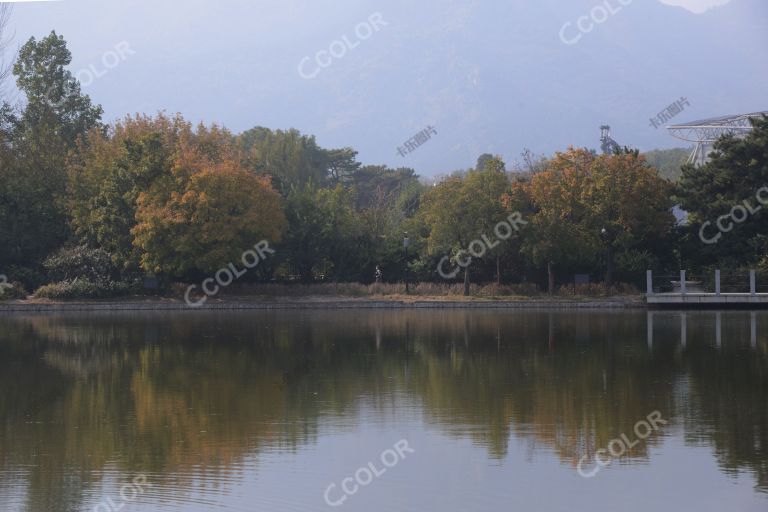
point(151, 384)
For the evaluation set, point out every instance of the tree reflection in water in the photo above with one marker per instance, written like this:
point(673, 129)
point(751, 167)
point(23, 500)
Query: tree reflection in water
point(189, 396)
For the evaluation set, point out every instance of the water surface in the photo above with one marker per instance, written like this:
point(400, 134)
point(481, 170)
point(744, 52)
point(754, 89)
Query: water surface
point(264, 411)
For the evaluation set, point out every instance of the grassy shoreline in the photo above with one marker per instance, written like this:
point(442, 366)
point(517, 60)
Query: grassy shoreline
point(327, 302)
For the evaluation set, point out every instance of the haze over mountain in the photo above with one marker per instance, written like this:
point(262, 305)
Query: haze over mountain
point(490, 76)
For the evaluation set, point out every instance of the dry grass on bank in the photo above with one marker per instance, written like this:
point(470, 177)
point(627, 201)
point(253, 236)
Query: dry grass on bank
point(397, 290)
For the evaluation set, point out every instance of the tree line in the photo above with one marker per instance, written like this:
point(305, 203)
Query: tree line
point(83, 201)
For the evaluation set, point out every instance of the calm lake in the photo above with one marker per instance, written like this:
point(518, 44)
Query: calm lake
point(412, 410)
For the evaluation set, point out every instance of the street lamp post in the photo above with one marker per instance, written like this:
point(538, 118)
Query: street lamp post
point(608, 240)
point(406, 242)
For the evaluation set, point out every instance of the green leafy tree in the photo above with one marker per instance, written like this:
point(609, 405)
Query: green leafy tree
point(669, 162)
point(324, 234)
point(461, 209)
point(387, 200)
point(482, 160)
point(37, 141)
point(489, 184)
point(736, 172)
point(342, 165)
point(304, 247)
point(108, 174)
point(55, 105)
point(377, 184)
point(290, 158)
point(348, 244)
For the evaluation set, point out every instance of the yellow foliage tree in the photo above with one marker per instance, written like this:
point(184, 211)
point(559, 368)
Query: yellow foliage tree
point(582, 205)
point(206, 211)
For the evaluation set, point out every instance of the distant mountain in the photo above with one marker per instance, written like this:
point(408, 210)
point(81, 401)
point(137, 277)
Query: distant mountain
point(489, 76)
point(668, 161)
point(495, 77)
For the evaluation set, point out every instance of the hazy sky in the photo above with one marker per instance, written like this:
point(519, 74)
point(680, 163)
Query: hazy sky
point(491, 76)
point(696, 5)
point(693, 5)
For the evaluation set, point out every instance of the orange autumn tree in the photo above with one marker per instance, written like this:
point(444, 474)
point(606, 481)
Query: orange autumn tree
point(207, 210)
point(551, 201)
point(107, 174)
point(628, 206)
point(585, 209)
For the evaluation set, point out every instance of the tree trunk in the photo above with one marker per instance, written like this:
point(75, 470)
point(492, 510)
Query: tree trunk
point(551, 331)
point(550, 278)
point(466, 281)
point(609, 266)
point(498, 270)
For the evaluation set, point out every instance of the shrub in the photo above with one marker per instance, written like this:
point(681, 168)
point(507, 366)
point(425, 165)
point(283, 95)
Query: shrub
point(597, 290)
point(80, 262)
point(496, 290)
point(85, 289)
point(13, 290)
point(28, 278)
point(425, 289)
point(336, 289)
point(442, 289)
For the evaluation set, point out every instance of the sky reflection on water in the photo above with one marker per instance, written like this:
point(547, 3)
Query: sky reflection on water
point(264, 410)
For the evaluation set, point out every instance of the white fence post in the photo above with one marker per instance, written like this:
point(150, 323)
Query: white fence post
point(682, 282)
point(649, 282)
point(717, 281)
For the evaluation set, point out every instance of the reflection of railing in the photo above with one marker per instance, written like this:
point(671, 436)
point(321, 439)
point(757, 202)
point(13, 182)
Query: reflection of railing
point(718, 328)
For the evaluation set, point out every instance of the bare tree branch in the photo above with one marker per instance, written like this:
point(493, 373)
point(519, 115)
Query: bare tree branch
point(5, 39)
point(531, 163)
